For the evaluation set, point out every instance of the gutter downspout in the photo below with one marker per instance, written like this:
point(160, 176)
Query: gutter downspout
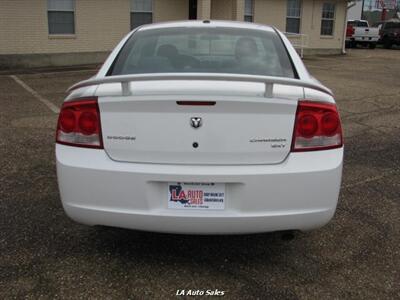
point(345, 28)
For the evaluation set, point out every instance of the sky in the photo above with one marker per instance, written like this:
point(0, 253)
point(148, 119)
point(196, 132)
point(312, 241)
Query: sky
point(371, 4)
point(355, 11)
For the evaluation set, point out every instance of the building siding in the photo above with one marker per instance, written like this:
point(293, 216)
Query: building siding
point(163, 12)
point(311, 24)
point(271, 12)
point(203, 9)
point(227, 10)
point(100, 24)
point(221, 10)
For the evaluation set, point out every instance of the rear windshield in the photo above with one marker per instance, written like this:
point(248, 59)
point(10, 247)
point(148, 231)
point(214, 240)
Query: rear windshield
point(211, 50)
point(393, 25)
point(357, 23)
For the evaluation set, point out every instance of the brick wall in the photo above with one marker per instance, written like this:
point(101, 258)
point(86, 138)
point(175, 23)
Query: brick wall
point(100, 24)
point(221, 9)
point(169, 10)
point(273, 12)
point(204, 9)
point(227, 10)
point(311, 24)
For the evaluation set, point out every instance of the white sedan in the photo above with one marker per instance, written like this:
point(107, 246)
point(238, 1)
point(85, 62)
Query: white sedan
point(201, 127)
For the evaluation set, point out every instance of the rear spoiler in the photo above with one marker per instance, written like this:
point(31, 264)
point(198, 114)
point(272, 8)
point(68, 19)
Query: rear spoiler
point(269, 81)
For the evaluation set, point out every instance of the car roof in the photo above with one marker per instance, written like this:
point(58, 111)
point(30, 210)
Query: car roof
point(357, 20)
point(393, 21)
point(207, 23)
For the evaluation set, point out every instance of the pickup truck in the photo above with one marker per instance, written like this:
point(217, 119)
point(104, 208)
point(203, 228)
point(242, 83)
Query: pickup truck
point(389, 33)
point(359, 33)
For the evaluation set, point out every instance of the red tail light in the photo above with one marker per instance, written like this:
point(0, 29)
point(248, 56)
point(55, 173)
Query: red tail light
point(79, 124)
point(317, 127)
point(350, 31)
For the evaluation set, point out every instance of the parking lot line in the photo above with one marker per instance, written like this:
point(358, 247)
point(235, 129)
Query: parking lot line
point(35, 94)
point(68, 72)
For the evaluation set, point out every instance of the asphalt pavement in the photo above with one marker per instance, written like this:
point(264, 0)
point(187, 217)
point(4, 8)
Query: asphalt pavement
point(45, 255)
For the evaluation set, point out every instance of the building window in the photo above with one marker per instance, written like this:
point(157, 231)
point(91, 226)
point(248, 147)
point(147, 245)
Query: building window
point(249, 10)
point(141, 12)
point(60, 15)
point(328, 18)
point(293, 15)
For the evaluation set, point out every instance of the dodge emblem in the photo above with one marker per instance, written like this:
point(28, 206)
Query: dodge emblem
point(195, 122)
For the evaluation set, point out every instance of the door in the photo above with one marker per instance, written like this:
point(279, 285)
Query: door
point(192, 9)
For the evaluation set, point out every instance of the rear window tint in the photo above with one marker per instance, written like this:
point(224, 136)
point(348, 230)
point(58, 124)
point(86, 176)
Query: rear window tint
point(357, 23)
point(393, 25)
point(204, 50)
point(361, 24)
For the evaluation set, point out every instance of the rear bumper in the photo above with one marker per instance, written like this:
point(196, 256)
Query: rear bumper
point(396, 40)
point(363, 39)
point(299, 194)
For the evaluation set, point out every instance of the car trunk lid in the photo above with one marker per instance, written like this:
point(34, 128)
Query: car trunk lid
point(237, 123)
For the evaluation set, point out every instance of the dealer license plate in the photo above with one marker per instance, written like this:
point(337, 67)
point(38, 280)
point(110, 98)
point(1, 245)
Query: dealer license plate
point(207, 196)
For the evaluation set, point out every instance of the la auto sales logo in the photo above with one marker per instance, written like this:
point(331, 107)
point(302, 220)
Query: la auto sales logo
point(178, 194)
point(215, 292)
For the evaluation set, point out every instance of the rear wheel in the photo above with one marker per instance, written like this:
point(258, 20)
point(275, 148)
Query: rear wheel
point(387, 43)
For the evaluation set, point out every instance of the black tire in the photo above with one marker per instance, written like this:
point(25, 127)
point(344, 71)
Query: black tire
point(387, 44)
point(372, 45)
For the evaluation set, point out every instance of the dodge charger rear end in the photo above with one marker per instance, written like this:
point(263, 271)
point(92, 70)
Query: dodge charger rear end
point(201, 127)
